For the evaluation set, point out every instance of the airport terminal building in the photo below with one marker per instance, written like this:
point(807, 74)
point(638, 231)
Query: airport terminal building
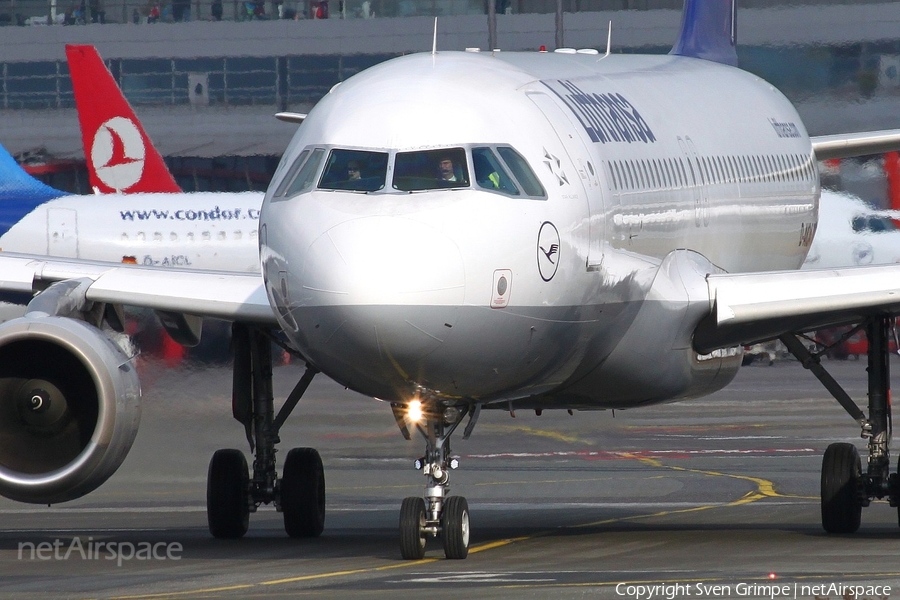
point(206, 76)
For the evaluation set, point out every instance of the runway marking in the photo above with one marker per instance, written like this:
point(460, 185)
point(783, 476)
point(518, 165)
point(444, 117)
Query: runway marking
point(619, 454)
point(108, 509)
point(548, 433)
point(316, 576)
point(764, 489)
point(845, 577)
point(691, 428)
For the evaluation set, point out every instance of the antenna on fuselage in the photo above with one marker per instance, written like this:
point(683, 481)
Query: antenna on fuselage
point(434, 41)
point(608, 41)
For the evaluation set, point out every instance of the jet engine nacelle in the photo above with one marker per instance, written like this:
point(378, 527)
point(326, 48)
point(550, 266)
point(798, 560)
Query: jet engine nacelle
point(69, 408)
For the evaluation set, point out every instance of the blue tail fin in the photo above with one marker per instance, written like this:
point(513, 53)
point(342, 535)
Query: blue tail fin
point(17, 185)
point(708, 31)
point(20, 193)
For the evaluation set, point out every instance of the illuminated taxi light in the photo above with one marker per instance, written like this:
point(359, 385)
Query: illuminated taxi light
point(414, 411)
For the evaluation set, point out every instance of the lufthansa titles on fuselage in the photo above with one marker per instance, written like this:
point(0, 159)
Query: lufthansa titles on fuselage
point(606, 117)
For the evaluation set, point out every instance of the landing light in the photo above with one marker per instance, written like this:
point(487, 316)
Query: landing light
point(451, 415)
point(414, 411)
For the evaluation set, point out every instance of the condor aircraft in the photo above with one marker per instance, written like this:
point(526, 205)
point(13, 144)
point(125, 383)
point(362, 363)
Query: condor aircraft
point(142, 215)
point(460, 231)
point(202, 230)
point(851, 233)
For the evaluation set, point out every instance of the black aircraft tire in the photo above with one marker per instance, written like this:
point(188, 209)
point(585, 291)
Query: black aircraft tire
point(898, 506)
point(412, 524)
point(455, 528)
point(303, 493)
point(227, 489)
point(841, 475)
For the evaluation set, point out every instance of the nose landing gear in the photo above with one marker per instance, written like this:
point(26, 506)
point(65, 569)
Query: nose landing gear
point(437, 514)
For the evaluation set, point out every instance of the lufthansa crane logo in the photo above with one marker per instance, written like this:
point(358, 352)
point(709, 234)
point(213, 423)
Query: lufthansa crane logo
point(118, 153)
point(548, 250)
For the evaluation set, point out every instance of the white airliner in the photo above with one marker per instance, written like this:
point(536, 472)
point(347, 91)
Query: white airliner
point(459, 231)
point(852, 233)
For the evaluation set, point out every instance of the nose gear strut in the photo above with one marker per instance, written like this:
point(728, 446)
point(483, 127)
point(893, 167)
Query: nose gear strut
point(232, 491)
point(437, 514)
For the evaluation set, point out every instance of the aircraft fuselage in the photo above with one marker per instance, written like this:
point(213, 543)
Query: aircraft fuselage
point(204, 230)
point(540, 284)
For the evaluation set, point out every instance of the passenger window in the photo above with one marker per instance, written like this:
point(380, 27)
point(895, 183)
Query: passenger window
point(430, 170)
point(304, 179)
point(490, 174)
point(354, 170)
point(522, 172)
point(291, 173)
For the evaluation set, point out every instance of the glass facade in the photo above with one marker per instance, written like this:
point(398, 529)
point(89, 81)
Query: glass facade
point(271, 81)
point(801, 72)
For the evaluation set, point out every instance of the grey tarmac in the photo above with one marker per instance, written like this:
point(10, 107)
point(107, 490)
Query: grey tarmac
point(710, 498)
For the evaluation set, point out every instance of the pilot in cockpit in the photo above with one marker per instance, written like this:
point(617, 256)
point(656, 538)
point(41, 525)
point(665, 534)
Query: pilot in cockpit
point(446, 171)
point(353, 172)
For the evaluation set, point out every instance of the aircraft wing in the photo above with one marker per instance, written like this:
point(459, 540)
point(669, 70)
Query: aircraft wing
point(229, 296)
point(747, 308)
point(843, 145)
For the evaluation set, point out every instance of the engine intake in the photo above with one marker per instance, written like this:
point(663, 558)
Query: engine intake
point(69, 408)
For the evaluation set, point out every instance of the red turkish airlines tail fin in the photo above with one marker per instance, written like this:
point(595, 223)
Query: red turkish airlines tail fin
point(120, 157)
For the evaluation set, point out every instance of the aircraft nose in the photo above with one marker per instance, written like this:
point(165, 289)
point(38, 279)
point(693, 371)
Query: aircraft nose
point(377, 296)
point(383, 261)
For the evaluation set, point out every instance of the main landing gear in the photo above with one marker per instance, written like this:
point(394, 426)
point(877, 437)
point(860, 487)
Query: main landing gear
point(437, 514)
point(846, 488)
point(231, 493)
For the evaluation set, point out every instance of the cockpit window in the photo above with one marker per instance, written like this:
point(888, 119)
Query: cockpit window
point(354, 170)
point(304, 179)
point(291, 173)
point(430, 170)
point(490, 174)
point(499, 169)
point(522, 172)
point(872, 224)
